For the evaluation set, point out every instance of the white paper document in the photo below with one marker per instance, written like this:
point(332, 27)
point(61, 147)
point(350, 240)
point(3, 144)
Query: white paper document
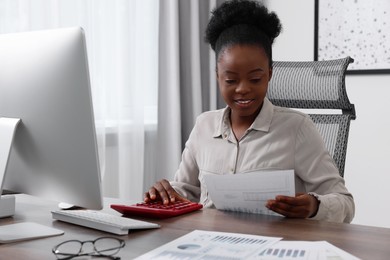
point(249, 192)
point(334, 253)
point(293, 250)
point(200, 244)
point(304, 250)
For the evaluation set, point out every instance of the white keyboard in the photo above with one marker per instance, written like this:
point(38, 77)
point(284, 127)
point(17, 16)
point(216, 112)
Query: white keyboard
point(102, 221)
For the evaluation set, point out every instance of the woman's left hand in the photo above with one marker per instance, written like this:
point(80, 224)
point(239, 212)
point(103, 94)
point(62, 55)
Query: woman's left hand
point(302, 205)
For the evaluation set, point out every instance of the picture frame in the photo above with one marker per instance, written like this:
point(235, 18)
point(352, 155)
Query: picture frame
point(359, 29)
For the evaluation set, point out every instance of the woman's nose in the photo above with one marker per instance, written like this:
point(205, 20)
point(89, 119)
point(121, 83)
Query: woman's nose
point(242, 88)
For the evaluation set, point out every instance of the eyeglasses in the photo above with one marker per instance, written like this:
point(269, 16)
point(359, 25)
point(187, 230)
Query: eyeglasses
point(101, 247)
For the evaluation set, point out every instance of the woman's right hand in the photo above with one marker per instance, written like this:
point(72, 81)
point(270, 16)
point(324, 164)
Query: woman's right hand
point(162, 190)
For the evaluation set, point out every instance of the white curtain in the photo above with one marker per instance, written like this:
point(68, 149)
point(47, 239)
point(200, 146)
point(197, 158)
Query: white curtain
point(144, 56)
point(122, 43)
point(187, 83)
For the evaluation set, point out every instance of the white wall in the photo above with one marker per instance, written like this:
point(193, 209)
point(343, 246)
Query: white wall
point(367, 170)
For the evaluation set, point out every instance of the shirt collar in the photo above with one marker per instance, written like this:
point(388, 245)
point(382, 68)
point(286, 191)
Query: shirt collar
point(264, 118)
point(261, 123)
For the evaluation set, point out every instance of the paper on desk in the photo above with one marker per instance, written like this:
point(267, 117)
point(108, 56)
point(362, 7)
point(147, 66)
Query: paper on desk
point(304, 250)
point(249, 192)
point(334, 253)
point(298, 250)
point(200, 244)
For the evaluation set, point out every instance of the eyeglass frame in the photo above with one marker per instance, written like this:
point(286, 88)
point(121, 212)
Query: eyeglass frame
point(95, 252)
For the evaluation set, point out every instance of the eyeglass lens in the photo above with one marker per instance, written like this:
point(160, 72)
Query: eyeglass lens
point(108, 246)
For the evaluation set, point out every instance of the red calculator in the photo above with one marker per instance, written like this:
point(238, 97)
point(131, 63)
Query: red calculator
point(157, 209)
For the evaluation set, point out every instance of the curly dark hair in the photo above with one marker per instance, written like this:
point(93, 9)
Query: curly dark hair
point(242, 22)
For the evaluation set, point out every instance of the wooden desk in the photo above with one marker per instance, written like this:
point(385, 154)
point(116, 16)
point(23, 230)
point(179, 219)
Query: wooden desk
point(362, 241)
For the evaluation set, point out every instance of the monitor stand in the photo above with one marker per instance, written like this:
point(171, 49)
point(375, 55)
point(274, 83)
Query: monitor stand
point(7, 132)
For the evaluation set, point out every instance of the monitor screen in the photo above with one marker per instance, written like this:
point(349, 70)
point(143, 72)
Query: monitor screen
point(44, 81)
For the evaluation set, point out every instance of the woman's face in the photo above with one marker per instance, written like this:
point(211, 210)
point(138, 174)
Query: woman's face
point(243, 73)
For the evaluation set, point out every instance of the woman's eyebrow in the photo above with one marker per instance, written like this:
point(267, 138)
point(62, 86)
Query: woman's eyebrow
point(256, 70)
point(252, 71)
point(229, 72)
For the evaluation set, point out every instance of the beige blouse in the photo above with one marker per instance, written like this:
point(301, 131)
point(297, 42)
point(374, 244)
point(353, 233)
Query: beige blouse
point(278, 139)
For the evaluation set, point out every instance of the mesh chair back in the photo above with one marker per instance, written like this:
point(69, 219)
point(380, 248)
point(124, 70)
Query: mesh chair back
point(317, 85)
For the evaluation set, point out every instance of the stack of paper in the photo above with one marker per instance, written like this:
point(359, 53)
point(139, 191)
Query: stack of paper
point(220, 245)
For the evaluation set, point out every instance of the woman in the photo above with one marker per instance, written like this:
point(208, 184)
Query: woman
point(251, 134)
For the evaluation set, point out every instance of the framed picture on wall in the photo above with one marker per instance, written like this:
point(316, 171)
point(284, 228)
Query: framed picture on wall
point(360, 29)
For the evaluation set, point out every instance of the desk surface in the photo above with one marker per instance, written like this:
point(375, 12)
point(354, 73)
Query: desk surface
point(362, 241)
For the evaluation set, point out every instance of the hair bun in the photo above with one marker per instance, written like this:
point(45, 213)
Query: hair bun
point(242, 12)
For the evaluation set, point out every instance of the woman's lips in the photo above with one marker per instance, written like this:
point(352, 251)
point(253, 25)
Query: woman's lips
point(244, 102)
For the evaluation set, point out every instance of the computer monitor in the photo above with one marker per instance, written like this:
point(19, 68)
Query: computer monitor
point(44, 81)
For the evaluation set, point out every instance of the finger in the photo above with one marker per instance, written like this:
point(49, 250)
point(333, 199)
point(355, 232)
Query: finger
point(288, 210)
point(172, 194)
point(295, 201)
point(160, 192)
point(147, 197)
point(285, 213)
point(150, 195)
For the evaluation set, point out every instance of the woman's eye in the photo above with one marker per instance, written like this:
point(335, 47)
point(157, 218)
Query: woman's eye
point(230, 81)
point(257, 80)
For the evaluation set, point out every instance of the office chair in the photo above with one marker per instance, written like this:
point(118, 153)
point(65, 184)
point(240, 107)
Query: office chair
point(317, 85)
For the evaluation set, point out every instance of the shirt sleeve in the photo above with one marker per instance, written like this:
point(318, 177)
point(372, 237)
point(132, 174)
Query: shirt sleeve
point(317, 169)
point(186, 180)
